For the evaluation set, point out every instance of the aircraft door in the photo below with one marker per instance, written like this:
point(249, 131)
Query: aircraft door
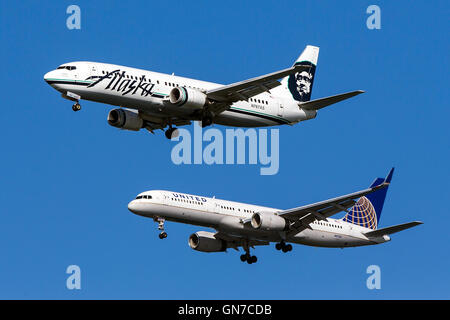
point(280, 109)
point(212, 206)
point(93, 70)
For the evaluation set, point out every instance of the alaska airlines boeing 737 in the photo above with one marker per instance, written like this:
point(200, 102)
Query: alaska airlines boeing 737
point(244, 225)
point(154, 100)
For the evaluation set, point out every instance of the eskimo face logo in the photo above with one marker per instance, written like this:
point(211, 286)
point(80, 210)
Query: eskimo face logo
point(303, 80)
point(300, 83)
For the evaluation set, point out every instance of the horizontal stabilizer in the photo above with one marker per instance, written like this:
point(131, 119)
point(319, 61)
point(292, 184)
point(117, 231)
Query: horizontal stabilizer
point(325, 102)
point(391, 230)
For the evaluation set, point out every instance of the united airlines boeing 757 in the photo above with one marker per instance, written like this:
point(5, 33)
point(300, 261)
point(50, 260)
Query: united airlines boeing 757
point(154, 100)
point(244, 225)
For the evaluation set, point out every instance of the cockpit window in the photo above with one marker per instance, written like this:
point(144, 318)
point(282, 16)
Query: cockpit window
point(144, 197)
point(67, 67)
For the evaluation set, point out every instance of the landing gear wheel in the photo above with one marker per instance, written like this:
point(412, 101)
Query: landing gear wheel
point(171, 133)
point(283, 246)
point(252, 259)
point(206, 121)
point(163, 235)
point(76, 107)
point(286, 247)
point(243, 257)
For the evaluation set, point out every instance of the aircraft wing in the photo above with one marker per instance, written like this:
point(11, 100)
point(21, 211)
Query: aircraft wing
point(235, 242)
point(152, 123)
point(301, 217)
point(246, 89)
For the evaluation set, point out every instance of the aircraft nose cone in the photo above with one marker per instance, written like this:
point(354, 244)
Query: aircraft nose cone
point(132, 206)
point(47, 76)
point(50, 76)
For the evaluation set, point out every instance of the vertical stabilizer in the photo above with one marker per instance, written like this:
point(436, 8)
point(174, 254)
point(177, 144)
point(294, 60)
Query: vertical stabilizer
point(367, 211)
point(299, 85)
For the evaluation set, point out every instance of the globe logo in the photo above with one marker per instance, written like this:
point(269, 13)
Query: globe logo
point(362, 214)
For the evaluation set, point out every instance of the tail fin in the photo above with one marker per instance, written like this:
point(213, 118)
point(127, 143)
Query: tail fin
point(299, 85)
point(367, 211)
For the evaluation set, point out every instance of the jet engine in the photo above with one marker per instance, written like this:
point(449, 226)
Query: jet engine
point(125, 119)
point(268, 221)
point(206, 242)
point(187, 97)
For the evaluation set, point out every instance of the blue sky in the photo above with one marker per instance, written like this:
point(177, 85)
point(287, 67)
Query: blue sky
point(67, 177)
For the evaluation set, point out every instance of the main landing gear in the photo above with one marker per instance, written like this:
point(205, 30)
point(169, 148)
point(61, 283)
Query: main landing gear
point(76, 107)
point(160, 221)
point(247, 256)
point(206, 121)
point(283, 246)
point(171, 133)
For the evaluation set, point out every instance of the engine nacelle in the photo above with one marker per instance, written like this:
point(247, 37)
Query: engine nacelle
point(187, 97)
point(206, 242)
point(125, 119)
point(268, 221)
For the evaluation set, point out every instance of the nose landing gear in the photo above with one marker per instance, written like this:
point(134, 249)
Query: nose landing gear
point(160, 221)
point(163, 235)
point(76, 107)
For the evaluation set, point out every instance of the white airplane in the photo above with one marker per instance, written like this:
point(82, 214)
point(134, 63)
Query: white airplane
point(154, 100)
point(245, 225)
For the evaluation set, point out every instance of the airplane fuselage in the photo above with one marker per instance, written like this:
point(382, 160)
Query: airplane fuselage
point(228, 216)
point(146, 91)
